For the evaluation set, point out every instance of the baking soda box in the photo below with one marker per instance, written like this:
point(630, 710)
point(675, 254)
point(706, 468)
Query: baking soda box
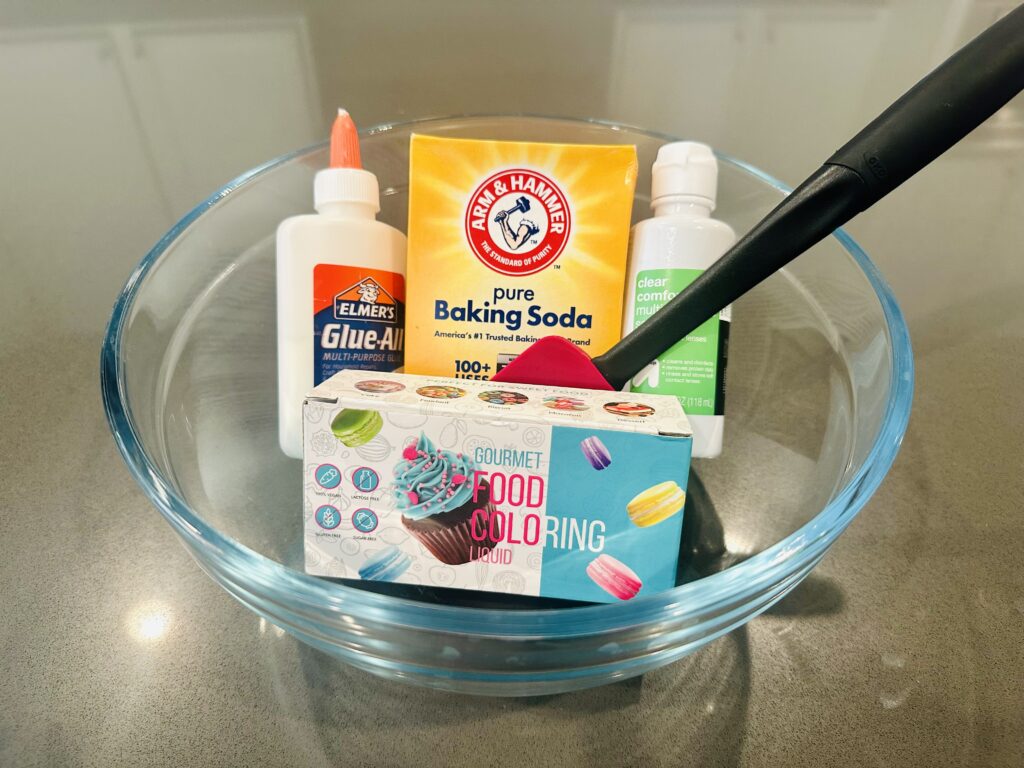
point(509, 242)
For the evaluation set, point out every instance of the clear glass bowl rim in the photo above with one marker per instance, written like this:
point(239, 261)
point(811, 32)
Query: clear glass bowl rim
point(707, 596)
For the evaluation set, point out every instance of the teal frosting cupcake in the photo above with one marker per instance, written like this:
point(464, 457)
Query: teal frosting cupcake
point(431, 480)
point(434, 493)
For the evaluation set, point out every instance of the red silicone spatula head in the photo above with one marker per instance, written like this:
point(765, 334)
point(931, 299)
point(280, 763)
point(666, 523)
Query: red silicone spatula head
point(554, 362)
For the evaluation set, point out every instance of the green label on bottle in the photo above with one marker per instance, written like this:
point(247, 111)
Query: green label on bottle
point(692, 369)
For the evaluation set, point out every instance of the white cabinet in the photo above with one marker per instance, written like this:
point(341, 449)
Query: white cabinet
point(721, 72)
point(218, 99)
point(115, 132)
point(85, 186)
point(807, 74)
point(674, 68)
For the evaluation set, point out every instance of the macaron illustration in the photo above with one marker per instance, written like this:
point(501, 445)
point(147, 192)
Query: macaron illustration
point(657, 503)
point(562, 403)
point(386, 565)
point(596, 452)
point(614, 577)
point(355, 427)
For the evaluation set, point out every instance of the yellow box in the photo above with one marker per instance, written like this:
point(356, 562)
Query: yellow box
point(511, 241)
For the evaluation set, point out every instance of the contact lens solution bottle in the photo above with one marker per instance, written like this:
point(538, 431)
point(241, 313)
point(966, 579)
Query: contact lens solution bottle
point(667, 253)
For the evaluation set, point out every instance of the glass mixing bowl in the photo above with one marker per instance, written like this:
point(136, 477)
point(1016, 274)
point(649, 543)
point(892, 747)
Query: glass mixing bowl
point(820, 382)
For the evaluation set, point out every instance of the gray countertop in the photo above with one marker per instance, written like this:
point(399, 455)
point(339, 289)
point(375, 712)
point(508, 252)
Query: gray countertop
point(902, 648)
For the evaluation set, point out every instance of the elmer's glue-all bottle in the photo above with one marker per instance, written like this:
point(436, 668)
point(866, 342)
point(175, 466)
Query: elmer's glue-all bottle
point(667, 253)
point(340, 285)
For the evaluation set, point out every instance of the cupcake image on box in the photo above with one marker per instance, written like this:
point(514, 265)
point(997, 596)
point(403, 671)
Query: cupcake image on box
point(355, 427)
point(379, 386)
point(434, 493)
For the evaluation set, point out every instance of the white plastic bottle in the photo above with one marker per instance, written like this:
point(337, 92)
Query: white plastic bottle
point(340, 285)
point(667, 253)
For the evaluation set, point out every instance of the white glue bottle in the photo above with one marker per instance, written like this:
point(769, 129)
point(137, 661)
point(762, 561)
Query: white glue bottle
point(340, 285)
point(667, 253)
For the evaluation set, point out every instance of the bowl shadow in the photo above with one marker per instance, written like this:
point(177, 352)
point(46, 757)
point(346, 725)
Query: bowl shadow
point(693, 711)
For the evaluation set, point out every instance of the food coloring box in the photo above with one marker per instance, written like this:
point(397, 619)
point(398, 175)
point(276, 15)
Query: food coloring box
point(566, 493)
point(511, 241)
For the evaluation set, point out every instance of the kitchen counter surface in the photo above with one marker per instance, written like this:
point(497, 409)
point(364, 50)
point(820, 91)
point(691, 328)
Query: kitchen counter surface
point(902, 648)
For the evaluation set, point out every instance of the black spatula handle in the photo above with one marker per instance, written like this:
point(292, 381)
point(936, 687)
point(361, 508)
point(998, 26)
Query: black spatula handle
point(926, 121)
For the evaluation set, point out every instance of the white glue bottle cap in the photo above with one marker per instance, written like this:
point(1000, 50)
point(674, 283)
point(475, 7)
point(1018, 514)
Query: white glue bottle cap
point(685, 171)
point(345, 183)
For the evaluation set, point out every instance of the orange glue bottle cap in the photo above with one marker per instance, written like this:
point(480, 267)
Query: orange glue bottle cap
point(344, 142)
point(344, 182)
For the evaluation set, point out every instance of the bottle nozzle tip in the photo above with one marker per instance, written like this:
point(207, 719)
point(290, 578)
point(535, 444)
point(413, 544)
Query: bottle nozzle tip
point(344, 142)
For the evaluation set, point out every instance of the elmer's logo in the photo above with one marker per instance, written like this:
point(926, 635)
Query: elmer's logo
point(517, 222)
point(366, 300)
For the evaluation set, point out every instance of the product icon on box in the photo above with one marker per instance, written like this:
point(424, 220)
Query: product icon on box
point(565, 403)
point(440, 392)
point(365, 520)
point(503, 397)
point(327, 476)
point(638, 410)
point(379, 386)
point(327, 517)
point(365, 479)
